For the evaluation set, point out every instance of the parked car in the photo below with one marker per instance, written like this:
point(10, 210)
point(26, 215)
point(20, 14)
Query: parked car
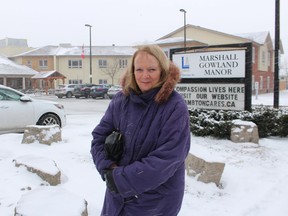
point(113, 90)
point(99, 91)
point(18, 110)
point(82, 90)
point(65, 91)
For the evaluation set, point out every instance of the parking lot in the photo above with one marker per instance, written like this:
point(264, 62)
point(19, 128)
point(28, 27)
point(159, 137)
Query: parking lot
point(78, 106)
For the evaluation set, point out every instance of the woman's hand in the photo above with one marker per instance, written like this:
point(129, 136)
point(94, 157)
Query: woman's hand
point(108, 178)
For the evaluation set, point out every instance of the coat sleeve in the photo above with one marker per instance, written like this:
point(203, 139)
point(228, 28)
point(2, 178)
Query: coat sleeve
point(162, 163)
point(99, 134)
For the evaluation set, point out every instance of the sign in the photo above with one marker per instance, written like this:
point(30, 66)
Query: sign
point(217, 64)
point(213, 96)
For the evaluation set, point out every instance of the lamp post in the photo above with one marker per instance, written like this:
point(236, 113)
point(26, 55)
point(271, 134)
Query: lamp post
point(87, 25)
point(184, 11)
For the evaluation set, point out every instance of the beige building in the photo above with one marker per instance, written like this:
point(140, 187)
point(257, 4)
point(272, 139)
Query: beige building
point(73, 62)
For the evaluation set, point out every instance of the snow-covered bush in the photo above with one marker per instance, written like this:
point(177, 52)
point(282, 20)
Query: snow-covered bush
point(217, 123)
point(282, 125)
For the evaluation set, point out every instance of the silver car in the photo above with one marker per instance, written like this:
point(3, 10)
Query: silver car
point(113, 90)
point(18, 110)
point(65, 91)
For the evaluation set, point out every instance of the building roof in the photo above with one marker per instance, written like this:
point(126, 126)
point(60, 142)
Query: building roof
point(69, 50)
point(47, 74)
point(200, 28)
point(46, 50)
point(9, 67)
point(258, 37)
point(174, 40)
point(255, 37)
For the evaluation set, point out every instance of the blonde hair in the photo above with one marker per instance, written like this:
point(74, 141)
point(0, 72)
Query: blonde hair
point(129, 81)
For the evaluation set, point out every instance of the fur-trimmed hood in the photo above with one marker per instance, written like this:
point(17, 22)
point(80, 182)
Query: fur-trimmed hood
point(167, 87)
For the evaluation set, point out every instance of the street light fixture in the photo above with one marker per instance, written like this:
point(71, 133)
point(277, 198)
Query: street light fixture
point(87, 25)
point(184, 11)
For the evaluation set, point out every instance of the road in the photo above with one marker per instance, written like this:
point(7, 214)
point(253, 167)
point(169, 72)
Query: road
point(75, 106)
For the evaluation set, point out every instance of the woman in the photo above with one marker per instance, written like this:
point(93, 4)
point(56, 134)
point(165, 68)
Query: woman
point(153, 118)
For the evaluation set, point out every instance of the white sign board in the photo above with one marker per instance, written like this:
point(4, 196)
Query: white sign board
point(213, 96)
point(217, 64)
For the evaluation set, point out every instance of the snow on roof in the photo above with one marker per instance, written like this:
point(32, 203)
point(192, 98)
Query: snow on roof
point(77, 51)
point(258, 37)
point(9, 67)
point(172, 40)
point(46, 50)
point(45, 74)
point(113, 50)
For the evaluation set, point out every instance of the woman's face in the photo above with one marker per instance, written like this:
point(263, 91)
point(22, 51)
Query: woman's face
point(147, 71)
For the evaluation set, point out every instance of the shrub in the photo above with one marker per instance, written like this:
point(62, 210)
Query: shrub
point(218, 123)
point(282, 125)
point(265, 119)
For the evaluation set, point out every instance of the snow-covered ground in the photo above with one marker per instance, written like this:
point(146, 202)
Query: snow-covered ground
point(254, 181)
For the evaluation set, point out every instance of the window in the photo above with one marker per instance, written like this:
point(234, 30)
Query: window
point(102, 81)
point(43, 63)
point(263, 60)
point(75, 81)
point(8, 95)
point(123, 63)
point(29, 63)
point(74, 63)
point(261, 82)
point(102, 63)
point(268, 58)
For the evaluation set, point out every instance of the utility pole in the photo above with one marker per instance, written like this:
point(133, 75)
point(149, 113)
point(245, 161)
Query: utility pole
point(276, 56)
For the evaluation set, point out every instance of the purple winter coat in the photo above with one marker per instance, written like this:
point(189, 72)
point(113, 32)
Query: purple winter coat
point(150, 176)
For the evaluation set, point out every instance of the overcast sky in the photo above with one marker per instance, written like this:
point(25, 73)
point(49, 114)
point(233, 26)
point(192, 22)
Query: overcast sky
point(127, 22)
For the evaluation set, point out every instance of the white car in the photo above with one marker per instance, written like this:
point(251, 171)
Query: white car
point(18, 110)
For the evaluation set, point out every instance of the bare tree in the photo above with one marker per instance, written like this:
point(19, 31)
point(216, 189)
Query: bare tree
point(113, 67)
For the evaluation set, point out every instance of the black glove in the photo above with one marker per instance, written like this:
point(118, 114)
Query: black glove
point(114, 146)
point(108, 178)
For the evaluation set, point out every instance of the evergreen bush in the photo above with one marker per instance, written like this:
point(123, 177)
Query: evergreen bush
point(282, 125)
point(218, 123)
